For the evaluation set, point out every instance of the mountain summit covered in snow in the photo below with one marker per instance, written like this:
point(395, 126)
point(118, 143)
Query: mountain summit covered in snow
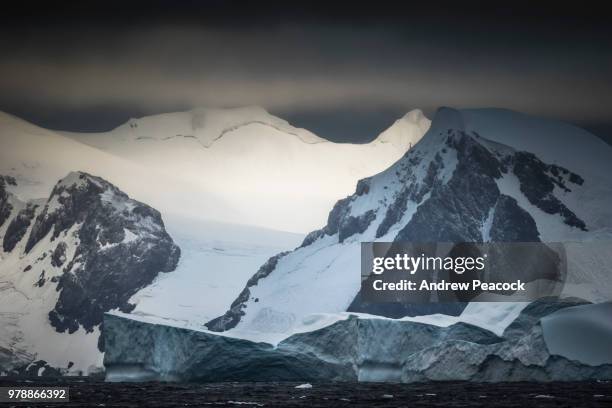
point(247, 166)
point(476, 176)
point(240, 165)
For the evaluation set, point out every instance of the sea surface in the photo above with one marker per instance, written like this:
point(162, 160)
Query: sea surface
point(86, 392)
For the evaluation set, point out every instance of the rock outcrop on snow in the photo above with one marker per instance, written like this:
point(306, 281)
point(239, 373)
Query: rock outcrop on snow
point(66, 261)
point(122, 247)
point(5, 203)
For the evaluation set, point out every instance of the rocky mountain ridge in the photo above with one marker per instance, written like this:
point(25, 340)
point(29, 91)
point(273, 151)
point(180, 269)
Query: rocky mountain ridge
point(455, 185)
point(69, 259)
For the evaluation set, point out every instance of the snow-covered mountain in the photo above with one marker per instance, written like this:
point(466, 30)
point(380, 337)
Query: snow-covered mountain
point(242, 166)
point(476, 176)
point(181, 164)
point(81, 247)
point(259, 169)
point(65, 261)
point(36, 158)
point(219, 258)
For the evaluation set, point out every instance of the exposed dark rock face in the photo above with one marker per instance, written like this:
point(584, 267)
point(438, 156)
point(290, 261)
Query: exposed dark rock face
point(18, 227)
point(337, 215)
point(38, 368)
point(312, 237)
point(122, 246)
point(41, 280)
point(231, 318)
point(431, 178)
point(395, 212)
point(455, 211)
point(5, 206)
point(59, 255)
point(341, 222)
point(355, 225)
point(363, 186)
point(397, 310)
point(538, 181)
point(25, 365)
point(412, 189)
point(511, 223)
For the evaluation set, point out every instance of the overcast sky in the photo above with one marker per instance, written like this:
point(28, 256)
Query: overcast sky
point(343, 71)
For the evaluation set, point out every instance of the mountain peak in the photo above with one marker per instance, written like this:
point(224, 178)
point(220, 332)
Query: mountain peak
point(415, 116)
point(77, 179)
point(406, 131)
point(474, 177)
point(208, 125)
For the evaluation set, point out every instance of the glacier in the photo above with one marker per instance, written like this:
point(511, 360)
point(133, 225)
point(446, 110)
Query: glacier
point(361, 348)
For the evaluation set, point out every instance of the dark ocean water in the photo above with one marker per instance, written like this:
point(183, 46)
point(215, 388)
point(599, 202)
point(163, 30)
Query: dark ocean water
point(92, 393)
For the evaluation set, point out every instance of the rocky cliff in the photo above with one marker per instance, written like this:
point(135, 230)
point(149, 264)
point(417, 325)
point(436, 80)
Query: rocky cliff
point(69, 259)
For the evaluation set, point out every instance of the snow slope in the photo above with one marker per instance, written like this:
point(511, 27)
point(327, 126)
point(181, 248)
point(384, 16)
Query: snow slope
point(24, 308)
point(217, 260)
point(476, 175)
point(556, 143)
point(258, 166)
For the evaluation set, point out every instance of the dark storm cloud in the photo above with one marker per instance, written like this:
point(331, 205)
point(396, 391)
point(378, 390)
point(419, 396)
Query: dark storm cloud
point(309, 64)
